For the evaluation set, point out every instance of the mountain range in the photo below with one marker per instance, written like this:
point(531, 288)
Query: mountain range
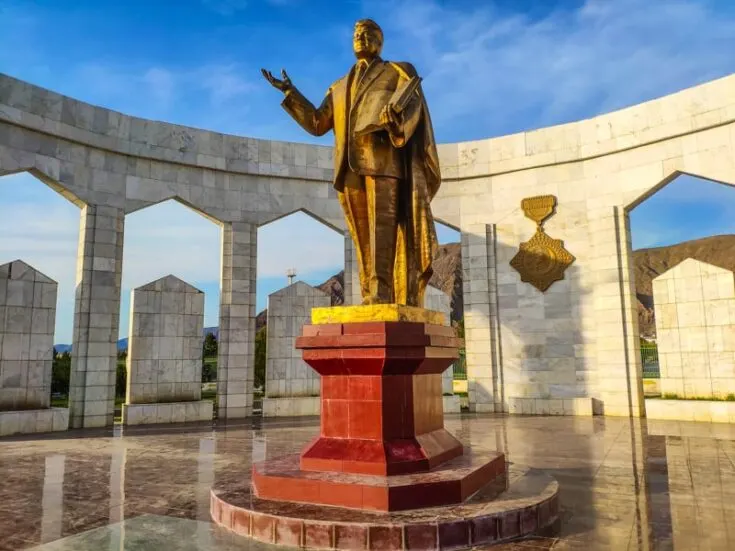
point(648, 263)
point(122, 344)
point(718, 250)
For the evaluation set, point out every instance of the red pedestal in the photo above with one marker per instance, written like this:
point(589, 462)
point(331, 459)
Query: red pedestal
point(381, 416)
point(381, 396)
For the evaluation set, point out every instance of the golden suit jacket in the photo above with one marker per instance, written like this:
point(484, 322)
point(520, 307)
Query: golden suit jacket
point(377, 153)
point(410, 155)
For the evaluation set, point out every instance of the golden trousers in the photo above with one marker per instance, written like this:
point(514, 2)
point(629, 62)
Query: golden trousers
point(372, 211)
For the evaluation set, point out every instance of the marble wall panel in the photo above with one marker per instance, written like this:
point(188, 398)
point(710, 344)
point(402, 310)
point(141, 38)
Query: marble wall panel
point(27, 319)
point(693, 303)
point(164, 361)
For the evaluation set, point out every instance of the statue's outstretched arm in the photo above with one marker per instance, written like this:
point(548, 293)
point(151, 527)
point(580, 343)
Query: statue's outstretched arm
point(315, 120)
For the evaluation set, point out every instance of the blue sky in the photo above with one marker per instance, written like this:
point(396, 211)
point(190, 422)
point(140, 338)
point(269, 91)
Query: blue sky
point(490, 68)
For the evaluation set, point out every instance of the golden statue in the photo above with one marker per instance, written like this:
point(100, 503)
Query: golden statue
point(386, 168)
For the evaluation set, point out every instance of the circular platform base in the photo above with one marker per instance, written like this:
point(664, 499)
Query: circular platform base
point(528, 507)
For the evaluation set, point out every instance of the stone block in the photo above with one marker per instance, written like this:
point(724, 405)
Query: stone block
point(33, 421)
point(291, 406)
point(26, 339)
point(287, 375)
point(177, 412)
point(695, 344)
point(451, 404)
point(165, 351)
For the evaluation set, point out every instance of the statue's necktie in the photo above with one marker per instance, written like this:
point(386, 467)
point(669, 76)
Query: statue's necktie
point(361, 68)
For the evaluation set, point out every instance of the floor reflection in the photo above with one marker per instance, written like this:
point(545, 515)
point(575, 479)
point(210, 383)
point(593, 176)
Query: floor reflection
point(625, 484)
point(153, 533)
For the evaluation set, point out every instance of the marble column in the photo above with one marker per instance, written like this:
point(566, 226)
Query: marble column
point(236, 359)
point(619, 369)
point(480, 316)
point(96, 317)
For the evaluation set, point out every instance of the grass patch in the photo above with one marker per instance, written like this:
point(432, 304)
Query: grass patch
point(209, 395)
point(60, 402)
point(673, 396)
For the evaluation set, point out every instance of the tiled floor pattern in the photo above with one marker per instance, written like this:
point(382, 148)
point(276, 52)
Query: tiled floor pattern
point(625, 484)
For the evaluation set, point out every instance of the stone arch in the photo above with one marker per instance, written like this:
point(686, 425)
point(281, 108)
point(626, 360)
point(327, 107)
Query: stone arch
point(50, 181)
point(337, 224)
point(180, 200)
point(653, 190)
point(67, 275)
point(209, 266)
point(626, 267)
point(271, 285)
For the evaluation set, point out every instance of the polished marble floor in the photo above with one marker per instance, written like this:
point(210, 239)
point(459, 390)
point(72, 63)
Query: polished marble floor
point(625, 484)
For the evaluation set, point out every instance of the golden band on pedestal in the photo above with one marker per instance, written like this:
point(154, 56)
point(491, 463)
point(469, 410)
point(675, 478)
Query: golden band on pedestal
point(376, 312)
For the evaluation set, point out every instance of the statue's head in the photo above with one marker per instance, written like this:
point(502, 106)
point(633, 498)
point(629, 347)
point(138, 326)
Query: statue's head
point(367, 40)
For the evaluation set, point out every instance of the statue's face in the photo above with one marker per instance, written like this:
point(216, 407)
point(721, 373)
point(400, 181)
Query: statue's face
point(367, 42)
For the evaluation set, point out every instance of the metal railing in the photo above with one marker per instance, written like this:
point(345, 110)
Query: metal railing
point(649, 360)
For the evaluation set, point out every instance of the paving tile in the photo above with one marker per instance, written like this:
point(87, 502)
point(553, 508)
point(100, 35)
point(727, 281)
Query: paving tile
point(623, 484)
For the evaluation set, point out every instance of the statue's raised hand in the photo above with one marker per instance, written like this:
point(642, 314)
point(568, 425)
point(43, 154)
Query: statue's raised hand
point(283, 85)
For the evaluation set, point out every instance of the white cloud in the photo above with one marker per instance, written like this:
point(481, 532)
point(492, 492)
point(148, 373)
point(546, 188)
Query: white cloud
point(161, 83)
point(224, 83)
point(298, 241)
point(41, 228)
point(170, 238)
point(205, 92)
point(488, 72)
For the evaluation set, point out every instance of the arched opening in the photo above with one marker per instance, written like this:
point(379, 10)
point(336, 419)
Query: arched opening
point(41, 228)
point(681, 243)
point(170, 238)
point(296, 249)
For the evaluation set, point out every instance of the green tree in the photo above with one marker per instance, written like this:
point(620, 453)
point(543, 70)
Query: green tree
point(209, 370)
point(121, 379)
point(260, 344)
point(60, 373)
point(210, 346)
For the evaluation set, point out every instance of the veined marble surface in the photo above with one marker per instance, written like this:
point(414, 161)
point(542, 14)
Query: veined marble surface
point(153, 533)
point(625, 484)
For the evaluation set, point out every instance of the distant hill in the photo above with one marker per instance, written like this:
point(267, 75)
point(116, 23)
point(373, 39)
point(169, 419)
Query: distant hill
point(447, 276)
point(718, 250)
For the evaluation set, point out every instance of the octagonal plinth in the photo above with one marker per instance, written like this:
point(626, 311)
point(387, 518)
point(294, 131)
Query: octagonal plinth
point(381, 398)
point(529, 506)
point(455, 481)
